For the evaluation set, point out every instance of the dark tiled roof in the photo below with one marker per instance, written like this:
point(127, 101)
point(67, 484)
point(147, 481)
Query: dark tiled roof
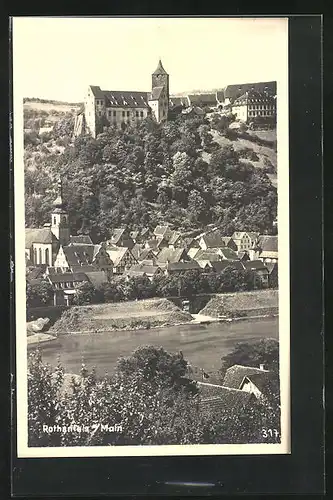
point(123, 98)
point(156, 93)
point(221, 265)
point(141, 269)
point(85, 268)
point(234, 91)
point(67, 277)
point(168, 254)
point(255, 265)
point(193, 110)
point(264, 381)
point(253, 96)
point(134, 234)
point(204, 99)
point(97, 92)
point(82, 238)
point(183, 266)
point(210, 255)
point(97, 278)
point(154, 243)
point(79, 254)
point(220, 95)
point(43, 235)
point(179, 101)
point(114, 98)
point(35, 272)
point(236, 373)
point(268, 243)
point(213, 240)
point(229, 401)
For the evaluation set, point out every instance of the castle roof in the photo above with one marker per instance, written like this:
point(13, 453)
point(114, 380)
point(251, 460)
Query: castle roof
point(234, 91)
point(160, 70)
point(253, 96)
point(121, 98)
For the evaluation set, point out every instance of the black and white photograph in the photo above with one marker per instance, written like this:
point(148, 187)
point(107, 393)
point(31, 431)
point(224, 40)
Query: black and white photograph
point(151, 235)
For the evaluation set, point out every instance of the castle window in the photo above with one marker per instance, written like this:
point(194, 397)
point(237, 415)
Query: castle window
point(40, 256)
point(114, 113)
point(141, 113)
point(47, 257)
point(123, 113)
point(127, 113)
point(137, 113)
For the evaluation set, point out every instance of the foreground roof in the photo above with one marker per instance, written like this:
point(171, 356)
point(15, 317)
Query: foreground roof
point(236, 373)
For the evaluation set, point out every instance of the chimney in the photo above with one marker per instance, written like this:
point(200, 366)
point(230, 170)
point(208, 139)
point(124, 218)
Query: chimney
point(262, 367)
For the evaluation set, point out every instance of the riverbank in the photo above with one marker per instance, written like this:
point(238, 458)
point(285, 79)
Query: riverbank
point(133, 315)
point(37, 338)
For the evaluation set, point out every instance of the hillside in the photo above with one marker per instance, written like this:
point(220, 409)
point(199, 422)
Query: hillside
point(266, 155)
point(42, 113)
point(184, 172)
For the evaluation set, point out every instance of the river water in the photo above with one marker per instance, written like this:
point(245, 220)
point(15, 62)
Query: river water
point(202, 345)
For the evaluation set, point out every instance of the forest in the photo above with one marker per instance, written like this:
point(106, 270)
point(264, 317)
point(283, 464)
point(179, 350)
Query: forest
point(144, 175)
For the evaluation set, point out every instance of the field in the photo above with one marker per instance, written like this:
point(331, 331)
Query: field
point(64, 107)
point(254, 303)
point(119, 316)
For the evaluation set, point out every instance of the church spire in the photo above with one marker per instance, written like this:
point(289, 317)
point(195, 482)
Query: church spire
point(160, 70)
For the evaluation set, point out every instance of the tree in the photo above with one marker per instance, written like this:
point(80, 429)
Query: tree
point(39, 294)
point(86, 293)
point(263, 351)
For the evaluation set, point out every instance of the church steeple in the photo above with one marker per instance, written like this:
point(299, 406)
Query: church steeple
point(60, 223)
point(160, 70)
point(159, 98)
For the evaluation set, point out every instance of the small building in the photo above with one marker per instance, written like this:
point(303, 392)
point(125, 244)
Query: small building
point(263, 385)
point(230, 402)
point(260, 272)
point(229, 242)
point(244, 240)
point(121, 238)
point(193, 112)
point(232, 92)
point(207, 100)
point(211, 240)
point(234, 375)
point(122, 259)
point(253, 104)
point(179, 267)
point(141, 270)
point(65, 285)
point(156, 244)
point(172, 256)
point(265, 248)
point(163, 232)
point(273, 274)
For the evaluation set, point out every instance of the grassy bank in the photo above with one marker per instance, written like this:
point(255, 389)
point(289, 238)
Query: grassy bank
point(243, 304)
point(143, 314)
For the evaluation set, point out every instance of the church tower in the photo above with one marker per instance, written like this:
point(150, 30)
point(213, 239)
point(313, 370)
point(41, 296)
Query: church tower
point(159, 98)
point(60, 222)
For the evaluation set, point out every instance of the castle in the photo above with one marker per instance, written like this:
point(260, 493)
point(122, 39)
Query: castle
point(119, 107)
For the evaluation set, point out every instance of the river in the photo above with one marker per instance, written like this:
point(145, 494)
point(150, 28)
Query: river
point(202, 344)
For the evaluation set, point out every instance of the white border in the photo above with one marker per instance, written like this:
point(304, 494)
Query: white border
point(23, 450)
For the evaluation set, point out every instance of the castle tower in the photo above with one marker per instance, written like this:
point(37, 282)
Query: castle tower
point(159, 98)
point(60, 222)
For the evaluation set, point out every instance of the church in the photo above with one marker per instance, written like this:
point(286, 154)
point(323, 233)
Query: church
point(122, 107)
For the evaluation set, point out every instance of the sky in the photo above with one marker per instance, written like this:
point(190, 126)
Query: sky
point(57, 58)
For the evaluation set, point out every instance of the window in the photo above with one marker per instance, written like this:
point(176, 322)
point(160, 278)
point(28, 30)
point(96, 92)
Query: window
point(137, 113)
point(127, 113)
point(141, 113)
point(100, 113)
point(123, 113)
point(54, 221)
point(40, 256)
point(109, 113)
point(114, 113)
point(47, 257)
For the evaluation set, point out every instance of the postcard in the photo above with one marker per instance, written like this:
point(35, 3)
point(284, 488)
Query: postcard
point(151, 182)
